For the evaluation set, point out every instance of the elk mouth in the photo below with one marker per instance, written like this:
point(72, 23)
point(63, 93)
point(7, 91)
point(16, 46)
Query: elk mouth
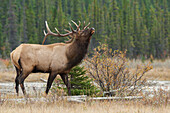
point(92, 30)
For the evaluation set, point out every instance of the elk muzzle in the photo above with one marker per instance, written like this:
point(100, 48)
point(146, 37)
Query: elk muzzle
point(92, 30)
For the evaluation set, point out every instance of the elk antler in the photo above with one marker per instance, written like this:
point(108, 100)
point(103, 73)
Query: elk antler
point(70, 40)
point(54, 34)
point(86, 25)
point(64, 35)
point(78, 26)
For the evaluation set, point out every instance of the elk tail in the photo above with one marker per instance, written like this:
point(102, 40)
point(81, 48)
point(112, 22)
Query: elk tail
point(15, 57)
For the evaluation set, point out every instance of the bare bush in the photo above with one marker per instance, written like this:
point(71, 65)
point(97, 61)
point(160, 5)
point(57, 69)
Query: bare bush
point(110, 71)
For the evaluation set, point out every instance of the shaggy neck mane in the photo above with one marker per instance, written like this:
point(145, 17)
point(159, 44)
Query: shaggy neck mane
point(76, 52)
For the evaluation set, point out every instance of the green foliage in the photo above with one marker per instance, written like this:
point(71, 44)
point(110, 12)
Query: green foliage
point(80, 83)
point(142, 27)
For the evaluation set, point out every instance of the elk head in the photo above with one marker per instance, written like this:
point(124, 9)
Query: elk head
point(83, 35)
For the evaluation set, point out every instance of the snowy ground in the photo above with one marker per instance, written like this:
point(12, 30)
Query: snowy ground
point(33, 88)
point(38, 88)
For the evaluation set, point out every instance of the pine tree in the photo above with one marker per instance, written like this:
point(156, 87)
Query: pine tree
point(80, 83)
point(12, 26)
point(136, 32)
point(31, 24)
point(152, 31)
point(60, 19)
point(93, 14)
point(76, 12)
point(130, 29)
point(101, 27)
point(126, 24)
point(1, 40)
point(166, 29)
point(113, 26)
point(24, 24)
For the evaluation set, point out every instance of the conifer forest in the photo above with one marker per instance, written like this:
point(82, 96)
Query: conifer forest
point(142, 27)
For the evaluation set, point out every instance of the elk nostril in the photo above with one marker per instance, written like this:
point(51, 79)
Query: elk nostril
point(92, 30)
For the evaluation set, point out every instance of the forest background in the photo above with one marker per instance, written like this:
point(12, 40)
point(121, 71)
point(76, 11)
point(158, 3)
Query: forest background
point(142, 27)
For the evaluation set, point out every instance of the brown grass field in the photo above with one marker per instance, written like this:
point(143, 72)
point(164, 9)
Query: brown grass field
point(88, 107)
point(160, 71)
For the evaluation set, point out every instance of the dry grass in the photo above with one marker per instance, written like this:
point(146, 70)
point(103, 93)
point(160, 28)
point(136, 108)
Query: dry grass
point(10, 77)
point(88, 107)
point(159, 74)
point(160, 71)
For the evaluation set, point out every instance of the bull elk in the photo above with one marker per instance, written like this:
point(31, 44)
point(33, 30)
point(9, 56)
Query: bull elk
point(57, 58)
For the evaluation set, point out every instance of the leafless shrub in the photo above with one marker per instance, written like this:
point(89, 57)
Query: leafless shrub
point(110, 71)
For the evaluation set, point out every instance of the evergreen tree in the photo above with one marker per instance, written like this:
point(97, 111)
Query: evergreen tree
point(152, 31)
point(140, 26)
point(113, 29)
point(31, 25)
point(76, 12)
point(80, 83)
point(1, 40)
point(12, 25)
point(24, 25)
point(136, 32)
point(166, 29)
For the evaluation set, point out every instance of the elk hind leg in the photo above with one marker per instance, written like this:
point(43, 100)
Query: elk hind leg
point(22, 77)
point(17, 81)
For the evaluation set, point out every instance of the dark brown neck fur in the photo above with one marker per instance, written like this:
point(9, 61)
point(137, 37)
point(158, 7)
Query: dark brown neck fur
point(76, 52)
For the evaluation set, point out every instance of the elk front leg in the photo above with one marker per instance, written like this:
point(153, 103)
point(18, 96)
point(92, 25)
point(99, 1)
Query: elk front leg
point(64, 77)
point(50, 81)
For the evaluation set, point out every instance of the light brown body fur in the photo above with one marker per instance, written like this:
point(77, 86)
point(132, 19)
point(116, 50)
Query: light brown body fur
point(44, 57)
point(57, 58)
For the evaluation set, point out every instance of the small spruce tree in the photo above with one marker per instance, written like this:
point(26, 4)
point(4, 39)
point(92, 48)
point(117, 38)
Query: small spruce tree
point(80, 83)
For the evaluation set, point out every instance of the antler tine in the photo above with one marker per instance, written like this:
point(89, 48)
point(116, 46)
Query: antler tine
point(69, 41)
point(86, 25)
point(74, 23)
point(45, 33)
point(50, 32)
point(67, 30)
point(57, 30)
point(48, 29)
point(44, 37)
point(78, 28)
point(71, 28)
point(79, 23)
